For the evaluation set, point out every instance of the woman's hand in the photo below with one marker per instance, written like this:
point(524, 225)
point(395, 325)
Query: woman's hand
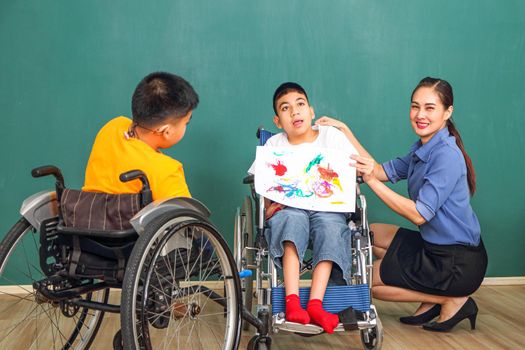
point(365, 167)
point(328, 121)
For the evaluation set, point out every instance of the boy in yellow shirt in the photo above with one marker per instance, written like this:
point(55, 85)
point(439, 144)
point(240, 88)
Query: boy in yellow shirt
point(162, 106)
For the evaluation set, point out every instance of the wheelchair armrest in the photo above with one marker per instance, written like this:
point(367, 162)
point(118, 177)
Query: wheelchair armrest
point(248, 179)
point(146, 196)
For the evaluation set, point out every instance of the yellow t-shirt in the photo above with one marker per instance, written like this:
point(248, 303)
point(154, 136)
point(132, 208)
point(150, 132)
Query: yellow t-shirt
point(113, 154)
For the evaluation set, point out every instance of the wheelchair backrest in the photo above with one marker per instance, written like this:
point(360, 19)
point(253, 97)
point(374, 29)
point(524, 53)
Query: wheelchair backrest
point(263, 135)
point(98, 211)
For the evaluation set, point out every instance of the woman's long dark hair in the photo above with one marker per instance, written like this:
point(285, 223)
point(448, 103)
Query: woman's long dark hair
point(444, 91)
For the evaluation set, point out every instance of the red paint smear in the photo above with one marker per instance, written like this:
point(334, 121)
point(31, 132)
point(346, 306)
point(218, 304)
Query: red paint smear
point(280, 168)
point(277, 188)
point(327, 174)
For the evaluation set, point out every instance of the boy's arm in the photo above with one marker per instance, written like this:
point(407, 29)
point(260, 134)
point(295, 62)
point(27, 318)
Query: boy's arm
point(271, 208)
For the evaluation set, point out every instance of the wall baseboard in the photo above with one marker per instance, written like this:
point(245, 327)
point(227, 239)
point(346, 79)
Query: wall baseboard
point(487, 281)
point(504, 281)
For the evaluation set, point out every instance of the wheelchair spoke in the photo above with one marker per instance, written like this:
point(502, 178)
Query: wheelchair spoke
point(180, 261)
point(55, 322)
point(28, 297)
point(27, 263)
point(13, 327)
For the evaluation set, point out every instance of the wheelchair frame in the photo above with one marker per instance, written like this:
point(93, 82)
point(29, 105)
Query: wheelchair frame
point(266, 274)
point(160, 226)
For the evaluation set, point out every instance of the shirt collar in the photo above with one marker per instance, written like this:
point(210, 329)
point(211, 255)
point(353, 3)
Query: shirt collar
point(423, 151)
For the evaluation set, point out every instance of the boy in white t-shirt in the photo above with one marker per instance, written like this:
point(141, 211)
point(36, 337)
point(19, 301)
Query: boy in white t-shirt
point(292, 229)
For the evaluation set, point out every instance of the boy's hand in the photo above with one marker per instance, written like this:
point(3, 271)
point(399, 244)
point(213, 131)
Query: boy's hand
point(272, 209)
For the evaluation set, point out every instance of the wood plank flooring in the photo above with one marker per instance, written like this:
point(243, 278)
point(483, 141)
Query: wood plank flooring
point(500, 325)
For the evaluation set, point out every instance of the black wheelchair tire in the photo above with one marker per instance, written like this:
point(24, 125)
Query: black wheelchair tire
point(134, 326)
point(375, 337)
point(246, 227)
point(258, 342)
point(117, 341)
point(68, 339)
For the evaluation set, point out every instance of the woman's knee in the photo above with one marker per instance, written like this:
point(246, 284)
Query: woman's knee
point(383, 234)
point(378, 252)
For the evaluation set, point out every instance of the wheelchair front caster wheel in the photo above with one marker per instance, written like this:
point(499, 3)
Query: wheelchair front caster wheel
point(372, 339)
point(260, 342)
point(117, 341)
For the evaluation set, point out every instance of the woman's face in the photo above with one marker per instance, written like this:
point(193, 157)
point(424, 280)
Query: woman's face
point(427, 113)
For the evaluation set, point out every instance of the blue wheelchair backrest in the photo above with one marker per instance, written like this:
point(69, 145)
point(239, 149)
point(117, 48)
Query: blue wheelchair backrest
point(263, 135)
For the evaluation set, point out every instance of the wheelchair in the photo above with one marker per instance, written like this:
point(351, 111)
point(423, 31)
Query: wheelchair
point(263, 283)
point(170, 267)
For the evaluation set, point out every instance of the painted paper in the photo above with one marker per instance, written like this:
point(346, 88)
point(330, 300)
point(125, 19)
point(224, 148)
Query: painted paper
point(305, 177)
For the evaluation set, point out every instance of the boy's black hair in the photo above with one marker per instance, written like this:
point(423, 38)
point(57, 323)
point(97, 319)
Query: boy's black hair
point(285, 88)
point(161, 95)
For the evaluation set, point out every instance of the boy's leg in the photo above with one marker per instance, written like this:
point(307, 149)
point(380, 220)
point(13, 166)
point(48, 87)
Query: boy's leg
point(288, 241)
point(330, 235)
point(290, 268)
point(315, 306)
point(294, 310)
point(320, 279)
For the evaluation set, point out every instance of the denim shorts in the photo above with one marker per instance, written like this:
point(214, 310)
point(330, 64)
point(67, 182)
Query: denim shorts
point(326, 233)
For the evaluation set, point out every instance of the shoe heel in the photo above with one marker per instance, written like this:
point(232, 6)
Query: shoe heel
point(472, 319)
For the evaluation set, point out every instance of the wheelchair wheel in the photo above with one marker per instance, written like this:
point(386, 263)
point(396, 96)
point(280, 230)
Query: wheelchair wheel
point(258, 342)
point(181, 289)
point(243, 237)
point(29, 320)
point(372, 338)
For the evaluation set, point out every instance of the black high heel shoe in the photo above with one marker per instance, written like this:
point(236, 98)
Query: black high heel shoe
point(425, 317)
point(468, 310)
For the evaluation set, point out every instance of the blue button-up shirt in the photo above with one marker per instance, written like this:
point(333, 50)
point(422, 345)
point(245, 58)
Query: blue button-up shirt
point(437, 182)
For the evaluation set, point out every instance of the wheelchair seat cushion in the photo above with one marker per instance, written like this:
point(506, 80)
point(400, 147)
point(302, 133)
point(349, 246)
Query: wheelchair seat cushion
point(98, 211)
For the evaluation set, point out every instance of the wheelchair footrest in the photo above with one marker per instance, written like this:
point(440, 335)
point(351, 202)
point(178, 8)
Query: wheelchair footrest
point(308, 329)
point(350, 318)
point(336, 299)
point(280, 324)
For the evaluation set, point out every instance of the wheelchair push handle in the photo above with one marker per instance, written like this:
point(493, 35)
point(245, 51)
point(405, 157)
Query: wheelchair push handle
point(145, 191)
point(49, 170)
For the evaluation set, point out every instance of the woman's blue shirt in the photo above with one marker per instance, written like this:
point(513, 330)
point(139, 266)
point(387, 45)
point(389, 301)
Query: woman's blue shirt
point(437, 181)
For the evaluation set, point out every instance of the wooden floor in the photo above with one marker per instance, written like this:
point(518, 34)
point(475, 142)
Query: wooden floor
point(500, 325)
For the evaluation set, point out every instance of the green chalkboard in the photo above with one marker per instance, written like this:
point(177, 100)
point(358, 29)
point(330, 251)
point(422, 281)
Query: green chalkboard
point(68, 67)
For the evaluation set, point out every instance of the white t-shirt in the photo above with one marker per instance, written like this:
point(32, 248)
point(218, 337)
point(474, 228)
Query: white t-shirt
point(329, 137)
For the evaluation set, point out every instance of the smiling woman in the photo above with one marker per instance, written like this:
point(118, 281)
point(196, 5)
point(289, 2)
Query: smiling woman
point(427, 114)
point(445, 261)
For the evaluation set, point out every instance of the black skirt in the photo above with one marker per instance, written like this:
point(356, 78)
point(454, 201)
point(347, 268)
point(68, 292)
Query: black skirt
point(449, 270)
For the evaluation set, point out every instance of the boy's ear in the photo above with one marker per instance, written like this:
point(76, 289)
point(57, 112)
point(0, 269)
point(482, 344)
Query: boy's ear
point(312, 112)
point(163, 130)
point(277, 122)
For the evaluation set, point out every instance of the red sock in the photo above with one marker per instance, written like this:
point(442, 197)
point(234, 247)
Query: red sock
point(294, 311)
point(321, 317)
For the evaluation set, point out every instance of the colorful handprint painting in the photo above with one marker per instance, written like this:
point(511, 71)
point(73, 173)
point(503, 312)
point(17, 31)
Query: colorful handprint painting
point(310, 178)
